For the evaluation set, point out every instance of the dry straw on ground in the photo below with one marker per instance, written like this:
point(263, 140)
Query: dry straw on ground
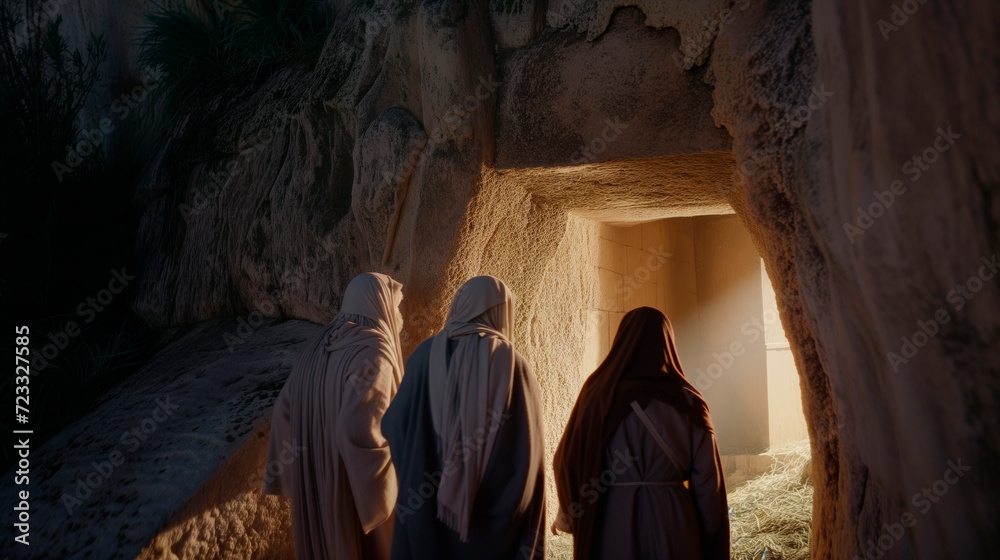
point(771, 513)
point(560, 548)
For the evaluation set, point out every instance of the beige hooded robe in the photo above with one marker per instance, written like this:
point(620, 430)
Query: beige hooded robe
point(326, 451)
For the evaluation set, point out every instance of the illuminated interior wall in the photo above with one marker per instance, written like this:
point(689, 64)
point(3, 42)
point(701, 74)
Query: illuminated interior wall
point(731, 367)
point(651, 264)
point(786, 421)
point(705, 274)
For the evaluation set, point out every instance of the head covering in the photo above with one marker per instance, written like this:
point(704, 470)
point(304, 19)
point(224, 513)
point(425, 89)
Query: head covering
point(340, 477)
point(369, 316)
point(642, 365)
point(468, 390)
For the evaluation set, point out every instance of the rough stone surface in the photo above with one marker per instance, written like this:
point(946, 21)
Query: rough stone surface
point(227, 517)
point(169, 427)
point(387, 154)
point(577, 102)
point(261, 225)
point(698, 21)
point(882, 433)
point(516, 23)
point(634, 190)
point(495, 189)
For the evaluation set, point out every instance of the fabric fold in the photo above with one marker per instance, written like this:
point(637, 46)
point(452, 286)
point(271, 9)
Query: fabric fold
point(642, 366)
point(326, 451)
point(467, 387)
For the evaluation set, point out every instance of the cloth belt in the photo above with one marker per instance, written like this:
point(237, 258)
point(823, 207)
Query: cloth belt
point(663, 445)
point(645, 483)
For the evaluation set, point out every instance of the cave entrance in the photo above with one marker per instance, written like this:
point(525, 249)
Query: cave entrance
point(705, 274)
point(664, 234)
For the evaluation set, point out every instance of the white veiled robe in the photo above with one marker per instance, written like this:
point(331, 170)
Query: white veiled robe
point(467, 439)
point(326, 450)
point(468, 392)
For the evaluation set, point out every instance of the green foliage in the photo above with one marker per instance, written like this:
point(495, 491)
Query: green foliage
point(104, 354)
point(275, 26)
point(43, 86)
point(193, 47)
point(200, 43)
point(59, 237)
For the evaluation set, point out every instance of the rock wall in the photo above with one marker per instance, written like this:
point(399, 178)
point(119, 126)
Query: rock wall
point(931, 258)
point(757, 104)
point(108, 483)
point(874, 220)
point(577, 101)
point(434, 141)
point(227, 517)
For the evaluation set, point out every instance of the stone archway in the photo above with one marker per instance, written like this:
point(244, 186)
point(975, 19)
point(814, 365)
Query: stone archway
point(527, 219)
point(793, 114)
point(773, 91)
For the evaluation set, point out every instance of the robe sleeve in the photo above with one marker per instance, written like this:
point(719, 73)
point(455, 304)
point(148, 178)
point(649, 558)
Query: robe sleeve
point(562, 522)
point(281, 431)
point(709, 491)
point(365, 396)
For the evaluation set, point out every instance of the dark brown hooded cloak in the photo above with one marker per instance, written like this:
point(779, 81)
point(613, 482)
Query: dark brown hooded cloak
point(643, 367)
